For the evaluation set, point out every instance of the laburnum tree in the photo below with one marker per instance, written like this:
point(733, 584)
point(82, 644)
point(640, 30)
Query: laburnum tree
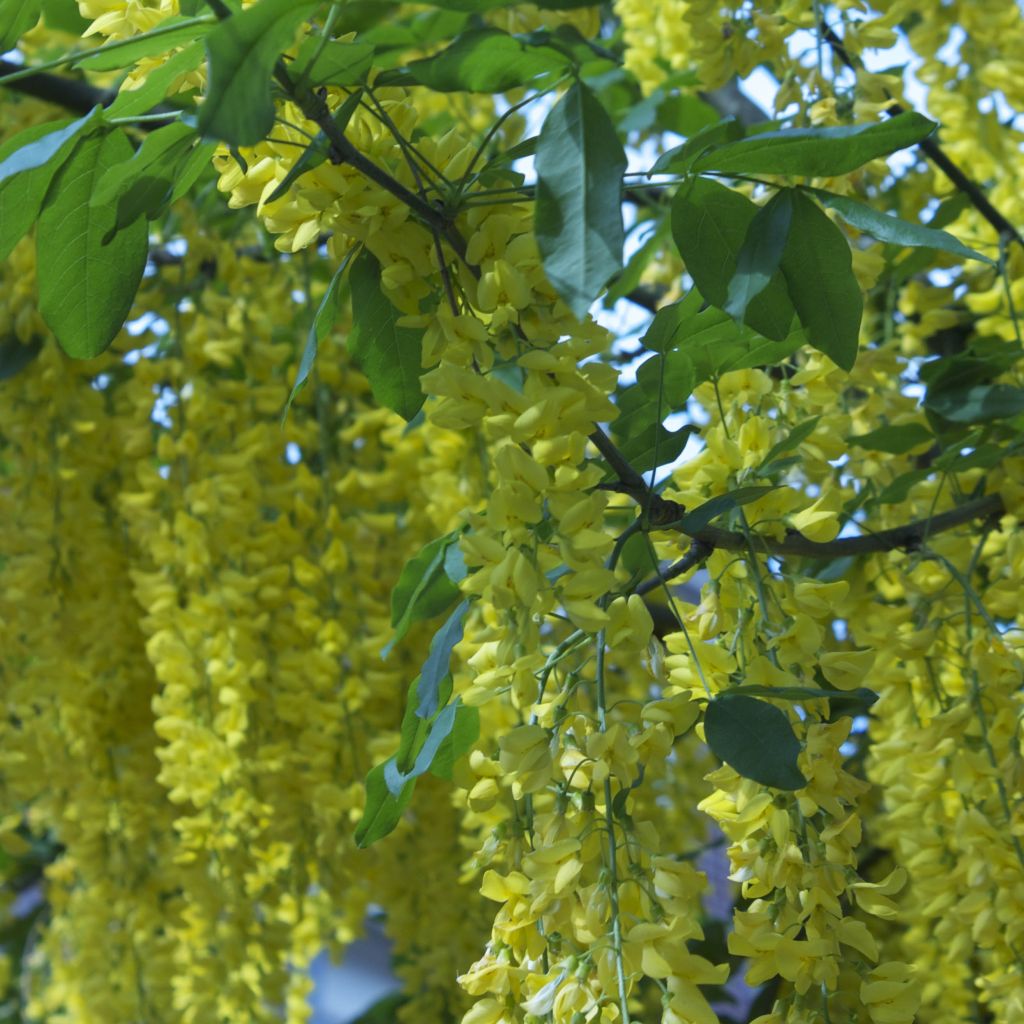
point(353, 561)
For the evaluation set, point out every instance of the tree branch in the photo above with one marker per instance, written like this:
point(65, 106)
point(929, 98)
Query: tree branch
point(76, 96)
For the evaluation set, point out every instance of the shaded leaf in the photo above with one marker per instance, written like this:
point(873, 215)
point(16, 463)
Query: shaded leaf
point(896, 440)
point(761, 252)
point(130, 102)
point(978, 404)
point(16, 18)
point(818, 267)
point(792, 440)
point(323, 322)
point(483, 60)
point(86, 285)
point(435, 668)
point(843, 701)
point(817, 152)
point(755, 739)
point(709, 225)
point(331, 63)
point(578, 212)
point(15, 356)
point(242, 51)
point(382, 811)
point(888, 228)
point(703, 515)
point(681, 159)
point(423, 589)
point(172, 32)
point(389, 355)
point(655, 446)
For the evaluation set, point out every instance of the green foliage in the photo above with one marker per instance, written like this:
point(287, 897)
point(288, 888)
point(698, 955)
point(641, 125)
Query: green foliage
point(578, 218)
point(86, 283)
point(242, 51)
point(424, 588)
point(755, 739)
point(816, 152)
point(387, 353)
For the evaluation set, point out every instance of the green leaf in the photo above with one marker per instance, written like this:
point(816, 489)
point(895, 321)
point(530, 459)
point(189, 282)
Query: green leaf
point(142, 186)
point(435, 668)
point(977, 404)
point(191, 169)
point(485, 60)
point(316, 152)
point(629, 279)
point(702, 516)
point(578, 212)
point(323, 322)
point(465, 731)
point(898, 489)
point(423, 589)
point(333, 64)
point(680, 160)
point(21, 197)
point(817, 152)
point(844, 701)
point(86, 286)
point(48, 149)
point(709, 225)
point(382, 811)
point(818, 268)
point(242, 51)
point(16, 18)
point(896, 440)
point(755, 739)
point(64, 15)
point(672, 378)
point(655, 446)
point(761, 252)
point(131, 102)
point(793, 439)
point(388, 354)
point(15, 356)
point(171, 33)
point(888, 228)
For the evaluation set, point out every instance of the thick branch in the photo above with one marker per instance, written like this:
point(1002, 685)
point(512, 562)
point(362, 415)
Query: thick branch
point(76, 96)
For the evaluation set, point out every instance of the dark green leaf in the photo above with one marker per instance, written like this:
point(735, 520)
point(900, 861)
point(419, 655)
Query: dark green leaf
point(323, 322)
point(142, 185)
point(242, 51)
point(709, 225)
point(793, 439)
point(15, 356)
point(977, 404)
point(761, 252)
point(335, 64)
point(423, 589)
point(455, 740)
point(86, 286)
point(681, 159)
point(898, 490)
point(818, 268)
point(578, 212)
point(21, 197)
point(191, 169)
point(891, 229)
point(388, 354)
point(435, 668)
point(703, 515)
point(382, 811)
point(655, 446)
point(755, 739)
point(670, 376)
point(16, 18)
point(484, 60)
point(48, 149)
point(64, 15)
point(172, 32)
point(131, 102)
point(316, 152)
point(896, 440)
point(817, 152)
point(845, 701)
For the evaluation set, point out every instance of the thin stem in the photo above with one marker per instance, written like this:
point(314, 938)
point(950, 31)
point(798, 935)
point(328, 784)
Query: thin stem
point(613, 879)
